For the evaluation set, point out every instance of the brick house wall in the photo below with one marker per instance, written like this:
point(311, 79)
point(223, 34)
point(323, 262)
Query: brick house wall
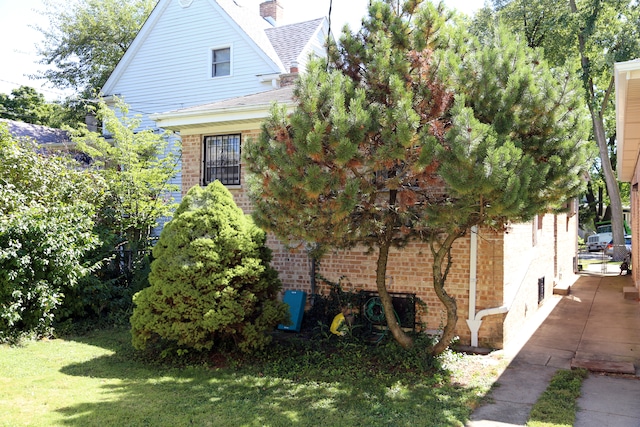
point(544, 248)
point(508, 266)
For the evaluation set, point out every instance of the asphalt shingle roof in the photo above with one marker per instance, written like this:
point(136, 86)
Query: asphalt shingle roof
point(282, 44)
point(290, 40)
point(281, 95)
point(254, 26)
point(41, 134)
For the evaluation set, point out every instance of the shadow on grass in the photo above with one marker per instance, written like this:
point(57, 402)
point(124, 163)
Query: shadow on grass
point(140, 394)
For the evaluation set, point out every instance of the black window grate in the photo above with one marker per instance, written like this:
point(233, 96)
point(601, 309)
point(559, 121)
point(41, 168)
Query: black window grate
point(540, 290)
point(404, 305)
point(222, 159)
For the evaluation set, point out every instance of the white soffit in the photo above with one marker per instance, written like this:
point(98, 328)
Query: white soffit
point(627, 81)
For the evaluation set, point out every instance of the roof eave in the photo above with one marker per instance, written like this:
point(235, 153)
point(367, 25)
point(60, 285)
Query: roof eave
point(181, 120)
point(627, 148)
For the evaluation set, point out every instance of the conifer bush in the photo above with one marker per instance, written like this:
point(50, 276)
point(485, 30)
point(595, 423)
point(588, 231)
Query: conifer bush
point(210, 280)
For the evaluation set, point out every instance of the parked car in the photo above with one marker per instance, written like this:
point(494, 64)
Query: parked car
point(627, 244)
point(599, 241)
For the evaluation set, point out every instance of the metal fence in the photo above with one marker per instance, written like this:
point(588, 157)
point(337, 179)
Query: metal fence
point(606, 261)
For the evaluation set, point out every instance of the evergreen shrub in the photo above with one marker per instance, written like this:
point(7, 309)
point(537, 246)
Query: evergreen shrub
point(210, 281)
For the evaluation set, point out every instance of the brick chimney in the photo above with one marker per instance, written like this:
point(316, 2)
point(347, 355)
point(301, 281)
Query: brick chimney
point(271, 10)
point(290, 78)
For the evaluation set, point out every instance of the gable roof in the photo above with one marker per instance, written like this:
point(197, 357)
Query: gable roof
point(249, 25)
point(279, 46)
point(290, 41)
point(43, 135)
point(253, 25)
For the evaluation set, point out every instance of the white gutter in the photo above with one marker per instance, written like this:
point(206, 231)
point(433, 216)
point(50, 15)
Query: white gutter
point(274, 78)
point(474, 324)
point(181, 120)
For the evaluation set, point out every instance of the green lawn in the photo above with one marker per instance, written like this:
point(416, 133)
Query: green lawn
point(98, 380)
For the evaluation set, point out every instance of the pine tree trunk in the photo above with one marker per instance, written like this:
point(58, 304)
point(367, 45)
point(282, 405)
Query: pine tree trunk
point(442, 258)
point(399, 335)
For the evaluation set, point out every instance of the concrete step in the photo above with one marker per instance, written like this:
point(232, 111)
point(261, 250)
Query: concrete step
point(630, 292)
point(562, 289)
point(604, 366)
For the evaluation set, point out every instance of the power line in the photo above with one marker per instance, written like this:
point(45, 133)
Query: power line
point(40, 89)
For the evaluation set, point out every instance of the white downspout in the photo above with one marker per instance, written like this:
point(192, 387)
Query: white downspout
point(473, 271)
point(474, 324)
point(475, 319)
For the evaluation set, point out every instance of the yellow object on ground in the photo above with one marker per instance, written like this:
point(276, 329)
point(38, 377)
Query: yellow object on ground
point(338, 321)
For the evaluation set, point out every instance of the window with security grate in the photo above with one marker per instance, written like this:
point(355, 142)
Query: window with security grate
point(222, 159)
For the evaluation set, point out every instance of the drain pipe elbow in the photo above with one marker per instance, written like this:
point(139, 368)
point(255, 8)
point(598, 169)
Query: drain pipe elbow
point(476, 322)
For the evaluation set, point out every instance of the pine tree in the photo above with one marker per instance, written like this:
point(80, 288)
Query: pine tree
point(413, 131)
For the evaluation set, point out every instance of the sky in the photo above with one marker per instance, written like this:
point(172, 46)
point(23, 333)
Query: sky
point(18, 38)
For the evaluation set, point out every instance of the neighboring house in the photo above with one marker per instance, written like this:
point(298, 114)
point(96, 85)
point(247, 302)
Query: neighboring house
point(50, 140)
point(498, 278)
point(192, 52)
point(627, 80)
point(43, 135)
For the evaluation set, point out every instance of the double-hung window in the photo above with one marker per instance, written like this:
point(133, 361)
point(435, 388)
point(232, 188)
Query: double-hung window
point(222, 159)
point(221, 62)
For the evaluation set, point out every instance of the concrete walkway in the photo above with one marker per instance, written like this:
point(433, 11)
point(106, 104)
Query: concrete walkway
point(595, 327)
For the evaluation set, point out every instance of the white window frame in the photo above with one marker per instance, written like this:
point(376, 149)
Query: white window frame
point(210, 61)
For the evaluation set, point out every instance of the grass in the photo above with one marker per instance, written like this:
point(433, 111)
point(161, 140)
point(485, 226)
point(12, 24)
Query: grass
point(557, 406)
point(99, 380)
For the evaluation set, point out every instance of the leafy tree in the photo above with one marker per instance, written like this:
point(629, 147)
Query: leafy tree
point(46, 228)
point(137, 168)
point(380, 150)
point(543, 24)
point(210, 280)
point(87, 38)
point(589, 36)
point(25, 104)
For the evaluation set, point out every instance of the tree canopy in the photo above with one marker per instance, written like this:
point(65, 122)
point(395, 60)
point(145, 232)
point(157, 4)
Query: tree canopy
point(588, 37)
point(137, 167)
point(25, 104)
point(86, 39)
point(413, 130)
